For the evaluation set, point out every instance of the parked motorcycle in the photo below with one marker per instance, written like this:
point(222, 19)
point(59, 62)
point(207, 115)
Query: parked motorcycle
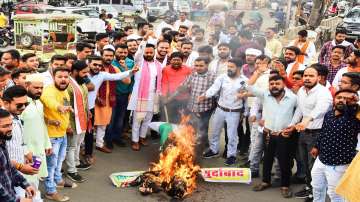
point(6, 37)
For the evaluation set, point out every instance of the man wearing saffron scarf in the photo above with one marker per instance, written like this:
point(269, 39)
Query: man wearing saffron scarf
point(306, 47)
point(291, 54)
point(78, 94)
point(144, 99)
point(106, 97)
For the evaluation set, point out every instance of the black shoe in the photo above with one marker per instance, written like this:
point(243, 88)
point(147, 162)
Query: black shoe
point(245, 165)
point(230, 161)
point(75, 177)
point(309, 198)
point(210, 154)
point(303, 193)
point(119, 143)
point(83, 166)
point(255, 174)
point(297, 180)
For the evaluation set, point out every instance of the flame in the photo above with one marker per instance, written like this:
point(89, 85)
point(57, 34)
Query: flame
point(177, 160)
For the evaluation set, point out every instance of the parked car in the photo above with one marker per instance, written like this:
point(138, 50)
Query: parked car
point(108, 8)
point(90, 25)
point(351, 23)
point(29, 8)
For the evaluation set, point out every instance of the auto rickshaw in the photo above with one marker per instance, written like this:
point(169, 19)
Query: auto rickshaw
point(46, 34)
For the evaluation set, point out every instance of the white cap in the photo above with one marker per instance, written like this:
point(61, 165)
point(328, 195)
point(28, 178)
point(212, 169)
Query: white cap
point(109, 46)
point(133, 36)
point(253, 51)
point(35, 78)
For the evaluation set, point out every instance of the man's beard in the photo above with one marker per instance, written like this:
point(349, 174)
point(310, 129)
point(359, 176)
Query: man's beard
point(338, 42)
point(231, 74)
point(6, 136)
point(186, 54)
point(224, 55)
point(33, 96)
point(107, 62)
point(289, 61)
point(276, 92)
point(118, 58)
point(149, 58)
point(94, 73)
point(341, 107)
point(308, 85)
point(80, 80)
point(60, 88)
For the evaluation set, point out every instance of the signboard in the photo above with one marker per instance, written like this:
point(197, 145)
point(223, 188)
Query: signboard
point(223, 175)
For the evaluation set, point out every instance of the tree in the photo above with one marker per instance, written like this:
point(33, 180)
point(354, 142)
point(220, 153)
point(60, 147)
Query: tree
point(316, 13)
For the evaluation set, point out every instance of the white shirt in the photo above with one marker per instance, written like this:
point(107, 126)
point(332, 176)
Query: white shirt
point(310, 51)
point(284, 109)
point(48, 78)
point(290, 66)
point(186, 23)
point(134, 95)
point(218, 67)
point(338, 76)
point(191, 59)
point(228, 89)
point(161, 26)
point(98, 79)
point(314, 104)
point(16, 146)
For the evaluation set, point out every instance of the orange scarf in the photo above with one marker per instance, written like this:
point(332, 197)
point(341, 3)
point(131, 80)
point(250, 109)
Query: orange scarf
point(79, 108)
point(301, 58)
point(294, 68)
point(356, 69)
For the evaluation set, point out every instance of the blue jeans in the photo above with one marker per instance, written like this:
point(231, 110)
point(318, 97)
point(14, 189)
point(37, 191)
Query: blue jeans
point(54, 163)
point(116, 126)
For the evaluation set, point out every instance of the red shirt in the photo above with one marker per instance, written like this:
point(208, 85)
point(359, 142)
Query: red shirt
point(173, 78)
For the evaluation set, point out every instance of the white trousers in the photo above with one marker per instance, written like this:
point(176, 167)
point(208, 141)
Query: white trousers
point(232, 121)
point(140, 127)
point(326, 177)
point(100, 133)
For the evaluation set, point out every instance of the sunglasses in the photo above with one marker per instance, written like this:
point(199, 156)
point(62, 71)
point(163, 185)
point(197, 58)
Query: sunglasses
point(22, 105)
point(97, 65)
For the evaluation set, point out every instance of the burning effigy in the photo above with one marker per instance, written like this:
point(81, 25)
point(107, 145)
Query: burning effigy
point(176, 172)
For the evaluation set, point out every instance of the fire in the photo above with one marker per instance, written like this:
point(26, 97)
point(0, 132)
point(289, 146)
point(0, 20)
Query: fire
point(176, 171)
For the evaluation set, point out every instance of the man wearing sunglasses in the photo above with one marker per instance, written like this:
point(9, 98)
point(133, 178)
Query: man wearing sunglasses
point(15, 102)
point(97, 77)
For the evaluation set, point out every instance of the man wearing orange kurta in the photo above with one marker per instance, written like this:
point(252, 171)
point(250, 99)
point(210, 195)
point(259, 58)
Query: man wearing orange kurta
point(105, 99)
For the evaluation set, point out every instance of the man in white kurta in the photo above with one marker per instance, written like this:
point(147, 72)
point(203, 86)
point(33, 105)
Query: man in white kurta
point(143, 114)
point(35, 132)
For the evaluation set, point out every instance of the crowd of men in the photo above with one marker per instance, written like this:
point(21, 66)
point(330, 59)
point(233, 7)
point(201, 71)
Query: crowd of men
point(273, 102)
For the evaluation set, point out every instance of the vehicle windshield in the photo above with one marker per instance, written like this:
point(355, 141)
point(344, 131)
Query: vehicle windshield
point(93, 13)
point(353, 14)
point(109, 8)
point(154, 4)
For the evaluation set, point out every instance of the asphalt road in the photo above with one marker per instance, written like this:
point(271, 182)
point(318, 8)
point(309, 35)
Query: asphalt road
point(98, 186)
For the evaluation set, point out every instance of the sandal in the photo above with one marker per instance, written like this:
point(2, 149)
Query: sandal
point(261, 187)
point(65, 184)
point(286, 192)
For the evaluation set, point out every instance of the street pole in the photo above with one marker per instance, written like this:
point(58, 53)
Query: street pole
point(288, 13)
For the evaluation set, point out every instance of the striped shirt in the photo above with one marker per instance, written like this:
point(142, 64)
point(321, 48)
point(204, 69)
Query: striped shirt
point(16, 146)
